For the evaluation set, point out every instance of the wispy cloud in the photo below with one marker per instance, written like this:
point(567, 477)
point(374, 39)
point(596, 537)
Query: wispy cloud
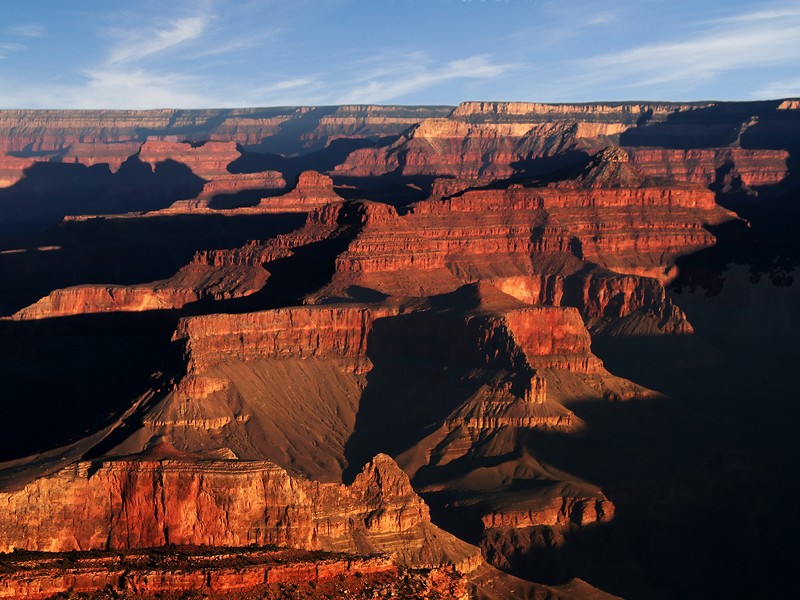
point(26, 30)
point(399, 76)
point(784, 88)
point(126, 77)
point(238, 43)
point(6, 49)
point(134, 46)
point(748, 40)
point(290, 84)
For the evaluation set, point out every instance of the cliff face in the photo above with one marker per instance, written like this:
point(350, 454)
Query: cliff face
point(493, 140)
point(222, 574)
point(313, 190)
point(284, 333)
point(626, 112)
point(56, 130)
point(208, 160)
point(11, 169)
point(761, 167)
point(532, 235)
point(451, 148)
point(140, 503)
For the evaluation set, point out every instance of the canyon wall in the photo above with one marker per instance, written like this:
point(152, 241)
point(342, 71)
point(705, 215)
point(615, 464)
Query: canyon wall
point(141, 503)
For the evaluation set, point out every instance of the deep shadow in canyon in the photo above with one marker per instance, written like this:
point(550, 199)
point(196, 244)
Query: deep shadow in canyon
point(83, 358)
point(49, 191)
point(120, 251)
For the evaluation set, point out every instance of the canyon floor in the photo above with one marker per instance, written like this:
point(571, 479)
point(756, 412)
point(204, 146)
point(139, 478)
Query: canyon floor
point(499, 350)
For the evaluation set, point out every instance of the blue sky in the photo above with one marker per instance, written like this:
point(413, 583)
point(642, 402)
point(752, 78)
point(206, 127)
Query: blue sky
point(229, 53)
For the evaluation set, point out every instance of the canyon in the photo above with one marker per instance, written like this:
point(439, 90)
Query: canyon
point(486, 351)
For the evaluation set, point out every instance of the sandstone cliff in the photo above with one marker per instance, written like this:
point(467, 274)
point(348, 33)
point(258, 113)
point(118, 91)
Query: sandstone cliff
point(57, 130)
point(140, 503)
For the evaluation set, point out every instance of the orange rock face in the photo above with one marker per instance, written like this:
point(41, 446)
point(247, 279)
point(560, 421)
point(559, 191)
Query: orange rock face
point(53, 130)
point(313, 190)
point(492, 234)
point(208, 160)
point(184, 569)
point(11, 169)
point(291, 332)
point(701, 166)
point(143, 503)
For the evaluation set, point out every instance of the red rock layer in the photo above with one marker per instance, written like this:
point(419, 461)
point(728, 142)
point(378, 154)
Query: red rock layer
point(208, 160)
point(151, 574)
point(101, 152)
point(55, 130)
point(626, 112)
point(493, 234)
point(553, 338)
point(313, 190)
point(140, 503)
point(755, 167)
point(451, 148)
point(297, 332)
point(12, 169)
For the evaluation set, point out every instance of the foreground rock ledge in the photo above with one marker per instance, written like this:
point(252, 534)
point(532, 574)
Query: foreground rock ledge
point(144, 502)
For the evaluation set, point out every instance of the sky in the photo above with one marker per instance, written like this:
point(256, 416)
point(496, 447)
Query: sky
point(238, 53)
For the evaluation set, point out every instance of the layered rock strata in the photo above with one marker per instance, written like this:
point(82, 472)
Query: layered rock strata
point(44, 131)
point(142, 573)
point(141, 503)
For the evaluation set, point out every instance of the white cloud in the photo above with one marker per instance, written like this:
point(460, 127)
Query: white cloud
point(786, 88)
point(133, 46)
point(6, 49)
point(756, 39)
point(763, 15)
point(399, 76)
point(26, 30)
point(118, 89)
point(289, 84)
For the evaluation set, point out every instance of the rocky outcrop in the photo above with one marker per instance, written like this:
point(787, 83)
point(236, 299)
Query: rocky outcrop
point(559, 511)
point(702, 166)
point(452, 148)
point(297, 332)
point(193, 283)
point(313, 190)
point(207, 160)
point(142, 503)
point(53, 131)
point(12, 169)
point(626, 112)
point(88, 299)
point(211, 275)
point(99, 152)
point(506, 233)
point(143, 573)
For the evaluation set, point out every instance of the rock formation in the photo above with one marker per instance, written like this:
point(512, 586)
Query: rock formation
point(141, 573)
point(144, 503)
